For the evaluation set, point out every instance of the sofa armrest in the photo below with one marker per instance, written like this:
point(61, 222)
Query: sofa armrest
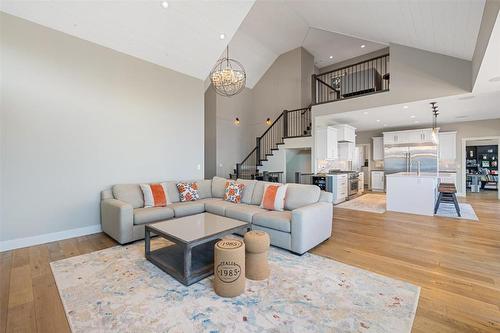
point(311, 225)
point(326, 197)
point(117, 220)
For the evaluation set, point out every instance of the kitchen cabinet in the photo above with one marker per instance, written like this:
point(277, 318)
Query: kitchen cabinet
point(346, 151)
point(326, 143)
point(448, 146)
point(361, 182)
point(339, 188)
point(448, 177)
point(408, 137)
point(346, 133)
point(378, 148)
point(378, 181)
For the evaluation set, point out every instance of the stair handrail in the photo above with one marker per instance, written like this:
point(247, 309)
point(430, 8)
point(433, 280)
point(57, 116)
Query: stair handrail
point(256, 149)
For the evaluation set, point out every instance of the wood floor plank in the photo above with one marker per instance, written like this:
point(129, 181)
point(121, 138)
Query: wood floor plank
point(5, 266)
point(456, 263)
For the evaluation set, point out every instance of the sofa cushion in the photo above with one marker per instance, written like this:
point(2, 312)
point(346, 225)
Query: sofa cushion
point(258, 192)
point(246, 197)
point(152, 214)
point(243, 212)
point(274, 220)
point(172, 192)
point(204, 188)
point(300, 195)
point(218, 206)
point(187, 208)
point(218, 187)
point(129, 193)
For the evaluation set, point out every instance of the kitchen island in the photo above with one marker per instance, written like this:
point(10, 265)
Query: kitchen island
point(408, 192)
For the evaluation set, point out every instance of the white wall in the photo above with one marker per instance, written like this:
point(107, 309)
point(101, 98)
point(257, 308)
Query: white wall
point(76, 118)
point(415, 75)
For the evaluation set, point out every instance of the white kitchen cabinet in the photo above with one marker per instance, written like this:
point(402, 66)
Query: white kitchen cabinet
point(408, 137)
point(346, 151)
point(448, 146)
point(378, 180)
point(448, 177)
point(339, 183)
point(326, 143)
point(378, 148)
point(346, 133)
point(361, 182)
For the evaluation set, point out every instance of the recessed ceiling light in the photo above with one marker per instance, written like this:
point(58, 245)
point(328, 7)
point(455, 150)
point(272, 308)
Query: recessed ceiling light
point(331, 57)
point(365, 112)
point(412, 116)
point(164, 4)
point(495, 79)
point(416, 121)
point(405, 107)
point(222, 36)
point(378, 120)
point(363, 46)
point(385, 125)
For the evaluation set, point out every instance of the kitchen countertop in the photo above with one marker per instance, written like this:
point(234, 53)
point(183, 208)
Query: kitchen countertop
point(414, 174)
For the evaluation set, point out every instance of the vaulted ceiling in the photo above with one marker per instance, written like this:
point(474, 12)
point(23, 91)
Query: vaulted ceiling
point(185, 36)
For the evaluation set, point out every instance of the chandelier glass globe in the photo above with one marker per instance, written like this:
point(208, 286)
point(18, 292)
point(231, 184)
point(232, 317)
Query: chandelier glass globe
point(228, 76)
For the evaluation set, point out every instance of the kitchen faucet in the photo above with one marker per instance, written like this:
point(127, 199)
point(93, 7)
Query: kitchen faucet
point(418, 167)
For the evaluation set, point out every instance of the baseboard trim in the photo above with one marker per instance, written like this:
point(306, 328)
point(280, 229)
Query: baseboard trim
point(47, 238)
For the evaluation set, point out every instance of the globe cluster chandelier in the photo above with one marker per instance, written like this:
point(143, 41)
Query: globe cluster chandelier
point(228, 76)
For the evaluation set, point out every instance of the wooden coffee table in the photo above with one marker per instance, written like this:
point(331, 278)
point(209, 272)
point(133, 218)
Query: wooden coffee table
point(191, 258)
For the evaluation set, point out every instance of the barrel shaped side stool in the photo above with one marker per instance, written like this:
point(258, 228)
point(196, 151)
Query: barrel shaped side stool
point(257, 244)
point(229, 267)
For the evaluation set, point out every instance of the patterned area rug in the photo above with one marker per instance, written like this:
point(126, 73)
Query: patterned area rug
point(118, 290)
point(466, 210)
point(374, 203)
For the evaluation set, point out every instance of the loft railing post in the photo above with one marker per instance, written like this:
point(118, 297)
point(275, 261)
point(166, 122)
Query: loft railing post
point(285, 124)
point(257, 153)
point(237, 170)
point(313, 89)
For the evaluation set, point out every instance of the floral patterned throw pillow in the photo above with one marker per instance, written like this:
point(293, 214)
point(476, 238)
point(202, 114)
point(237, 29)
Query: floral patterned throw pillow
point(233, 191)
point(188, 191)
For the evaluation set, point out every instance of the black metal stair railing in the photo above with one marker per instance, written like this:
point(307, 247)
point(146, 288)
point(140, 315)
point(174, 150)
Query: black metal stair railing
point(365, 77)
point(289, 124)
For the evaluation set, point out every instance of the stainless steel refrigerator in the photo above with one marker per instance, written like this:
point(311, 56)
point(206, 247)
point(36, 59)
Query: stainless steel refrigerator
point(406, 158)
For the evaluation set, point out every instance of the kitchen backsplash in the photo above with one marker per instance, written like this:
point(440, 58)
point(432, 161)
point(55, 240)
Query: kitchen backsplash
point(325, 165)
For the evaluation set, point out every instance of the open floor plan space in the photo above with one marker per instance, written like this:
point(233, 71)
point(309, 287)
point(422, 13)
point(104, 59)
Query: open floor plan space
point(457, 265)
point(253, 166)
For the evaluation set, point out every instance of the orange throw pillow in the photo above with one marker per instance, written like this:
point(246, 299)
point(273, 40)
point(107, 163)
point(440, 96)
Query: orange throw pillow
point(155, 195)
point(274, 197)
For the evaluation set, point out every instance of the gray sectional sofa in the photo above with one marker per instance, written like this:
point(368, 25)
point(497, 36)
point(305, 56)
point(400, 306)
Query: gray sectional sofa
point(306, 221)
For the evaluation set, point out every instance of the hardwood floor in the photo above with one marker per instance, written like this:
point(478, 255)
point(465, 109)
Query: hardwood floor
point(456, 263)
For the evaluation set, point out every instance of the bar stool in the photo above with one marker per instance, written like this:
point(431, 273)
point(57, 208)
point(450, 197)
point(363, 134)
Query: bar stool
point(447, 194)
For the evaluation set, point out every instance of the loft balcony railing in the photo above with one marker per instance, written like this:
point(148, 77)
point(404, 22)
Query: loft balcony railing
point(366, 77)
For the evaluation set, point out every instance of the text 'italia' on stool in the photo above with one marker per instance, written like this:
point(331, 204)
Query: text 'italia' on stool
point(257, 245)
point(229, 267)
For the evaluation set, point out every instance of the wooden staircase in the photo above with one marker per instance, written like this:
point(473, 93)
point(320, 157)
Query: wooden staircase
point(289, 124)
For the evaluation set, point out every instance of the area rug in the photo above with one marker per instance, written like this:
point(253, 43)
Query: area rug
point(118, 290)
point(374, 203)
point(466, 210)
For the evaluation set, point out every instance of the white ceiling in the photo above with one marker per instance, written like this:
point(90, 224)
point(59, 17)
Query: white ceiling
point(183, 37)
point(448, 27)
point(418, 114)
point(488, 78)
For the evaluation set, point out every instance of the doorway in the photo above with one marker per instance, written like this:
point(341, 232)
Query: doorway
point(297, 160)
point(480, 171)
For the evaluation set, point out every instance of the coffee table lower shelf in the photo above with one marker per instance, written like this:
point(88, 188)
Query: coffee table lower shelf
point(171, 259)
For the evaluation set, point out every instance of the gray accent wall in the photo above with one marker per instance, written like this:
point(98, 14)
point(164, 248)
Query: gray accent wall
point(77, 118)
